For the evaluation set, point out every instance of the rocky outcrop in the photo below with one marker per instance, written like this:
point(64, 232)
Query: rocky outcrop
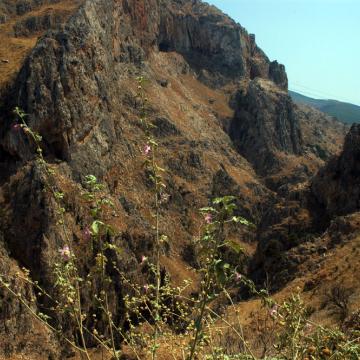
point(20, 332)
point(285, 143)
point(336, 188)
point(265, 124)
point(278, 75)
point(322, 134)
point(215, 45)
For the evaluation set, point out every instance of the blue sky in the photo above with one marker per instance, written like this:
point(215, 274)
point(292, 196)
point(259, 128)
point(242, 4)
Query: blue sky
point(317, 40)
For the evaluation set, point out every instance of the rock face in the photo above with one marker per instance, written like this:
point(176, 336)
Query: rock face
point(102, 42)
point(284, 142)
point(320, 132)
point(336, 188)
point(78, 87)
point(214, 44)
point(265, 124)
point(20, 332)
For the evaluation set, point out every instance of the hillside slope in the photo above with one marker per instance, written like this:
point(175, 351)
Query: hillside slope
point(345, 112)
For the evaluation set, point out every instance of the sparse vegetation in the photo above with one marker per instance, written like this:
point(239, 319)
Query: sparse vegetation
point(159, 316)
point(337, 299)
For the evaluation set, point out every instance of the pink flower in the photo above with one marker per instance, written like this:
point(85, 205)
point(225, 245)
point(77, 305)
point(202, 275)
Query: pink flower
point(147, 149)
point(16, 127)
point(146, 287)
point(208, 218)
point(65, 253)
point(238, 276)
point(87, 234)
point(274, 311)
point(143, 259)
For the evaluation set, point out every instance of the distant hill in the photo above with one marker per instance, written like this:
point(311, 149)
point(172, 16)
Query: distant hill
point(345, 112)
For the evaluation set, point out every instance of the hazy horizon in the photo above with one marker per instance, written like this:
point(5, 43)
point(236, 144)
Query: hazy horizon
point(314, 39)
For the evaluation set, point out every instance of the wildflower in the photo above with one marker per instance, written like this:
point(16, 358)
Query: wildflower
point(274, 311)
point(143, 259)
point(146, 287)
point(65, 253)
point(147, 149)
point(208, 218)
point(87, 234)
point(308, 327)
point(16, 127)
point(238, 276)
point(164, 197)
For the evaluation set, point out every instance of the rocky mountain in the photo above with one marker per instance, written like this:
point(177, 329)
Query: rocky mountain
point(225, 125)
point(345, 112)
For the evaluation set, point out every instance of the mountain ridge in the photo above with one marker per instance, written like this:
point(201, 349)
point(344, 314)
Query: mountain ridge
point(343, 111)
